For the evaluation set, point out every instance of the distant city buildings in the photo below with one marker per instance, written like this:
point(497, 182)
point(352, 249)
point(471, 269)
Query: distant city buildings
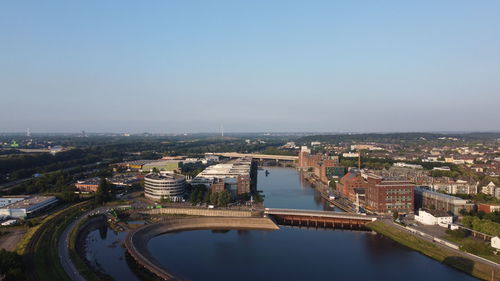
point(491, 189)
point(405, 165)
point(322, 165)
point(488, 208)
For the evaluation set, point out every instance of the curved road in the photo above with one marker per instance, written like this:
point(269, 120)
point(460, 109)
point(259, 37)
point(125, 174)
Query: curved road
point(63, 244)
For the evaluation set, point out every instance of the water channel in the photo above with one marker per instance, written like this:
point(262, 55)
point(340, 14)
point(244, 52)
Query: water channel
point(285, 254)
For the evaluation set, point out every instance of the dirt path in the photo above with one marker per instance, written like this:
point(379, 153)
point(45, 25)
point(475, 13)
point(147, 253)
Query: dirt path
point(9, 241)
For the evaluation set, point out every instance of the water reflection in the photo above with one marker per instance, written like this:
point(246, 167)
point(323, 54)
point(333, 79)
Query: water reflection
point(105, 252)
point(294, 254)
point(286, 188)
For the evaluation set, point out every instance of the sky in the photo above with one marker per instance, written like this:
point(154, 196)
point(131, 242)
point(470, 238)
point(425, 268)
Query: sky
point(251, 66)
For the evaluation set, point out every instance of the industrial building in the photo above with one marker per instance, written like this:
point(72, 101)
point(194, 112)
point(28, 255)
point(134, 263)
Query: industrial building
point(238, 176)
point(384, 195)
point(432, 200)
point(28, 206)
point(158, 186)
point(324, 166)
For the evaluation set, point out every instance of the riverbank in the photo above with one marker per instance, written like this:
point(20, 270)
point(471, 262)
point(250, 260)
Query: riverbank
point(137, 240)
point(340, 201)
point(449, 257)
point(77, 245)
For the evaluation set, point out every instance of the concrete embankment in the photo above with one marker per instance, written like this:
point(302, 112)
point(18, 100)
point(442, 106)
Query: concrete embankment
point(137, 241)
point(199, 212)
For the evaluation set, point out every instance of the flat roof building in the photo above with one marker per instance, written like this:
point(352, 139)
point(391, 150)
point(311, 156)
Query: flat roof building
point(242, 170)
point(27, 207)
point(88, 185)
point(164, 186)
point(432, 200)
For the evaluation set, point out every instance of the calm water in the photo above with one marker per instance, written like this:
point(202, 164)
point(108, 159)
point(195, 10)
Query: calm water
point(294, 254)
point(285, 254)
point(284, 188)
point(105, 251)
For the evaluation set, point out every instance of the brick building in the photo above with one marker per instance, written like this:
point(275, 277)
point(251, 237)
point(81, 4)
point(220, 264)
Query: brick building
point(88, 185)
point(389, 196)
point(350, 182)
point(318, 162)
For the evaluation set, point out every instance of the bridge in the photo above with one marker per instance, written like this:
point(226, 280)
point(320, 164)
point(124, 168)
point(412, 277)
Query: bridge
point(257, 156)
point(325, 219)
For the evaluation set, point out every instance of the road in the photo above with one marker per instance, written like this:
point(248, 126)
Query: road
point(389, 222)
point(63, 244)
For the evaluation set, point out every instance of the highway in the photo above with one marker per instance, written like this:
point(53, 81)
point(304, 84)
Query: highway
point(258, 156)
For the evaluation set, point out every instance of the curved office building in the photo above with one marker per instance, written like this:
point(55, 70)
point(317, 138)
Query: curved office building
point(158, 186)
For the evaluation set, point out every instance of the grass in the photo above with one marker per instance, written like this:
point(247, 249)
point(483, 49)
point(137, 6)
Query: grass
point(461, 241)
point(46, 252)
point(44, 255)
point(21, 246)
point(441, 254)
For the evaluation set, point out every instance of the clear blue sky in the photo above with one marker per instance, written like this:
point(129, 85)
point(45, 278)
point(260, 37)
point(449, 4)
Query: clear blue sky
point(188, 66)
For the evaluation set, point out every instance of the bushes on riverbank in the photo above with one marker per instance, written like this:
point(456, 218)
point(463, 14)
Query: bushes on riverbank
point(482, 225)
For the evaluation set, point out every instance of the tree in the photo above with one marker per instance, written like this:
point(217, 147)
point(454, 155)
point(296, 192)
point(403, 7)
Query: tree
point(332, 185)
point(102, 194)
point(214, 198)
point(224, 198)
point(11, 266)
point(68, 196)
point(476, 247)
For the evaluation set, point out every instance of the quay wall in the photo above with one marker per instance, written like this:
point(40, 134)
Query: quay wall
point(136, 241)
point(199, 212)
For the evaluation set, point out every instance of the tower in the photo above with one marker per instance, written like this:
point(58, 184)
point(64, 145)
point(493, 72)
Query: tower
point(28, 133)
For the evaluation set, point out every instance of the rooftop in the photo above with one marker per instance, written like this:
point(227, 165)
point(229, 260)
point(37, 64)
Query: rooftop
point(164, 176)
point(28, 202)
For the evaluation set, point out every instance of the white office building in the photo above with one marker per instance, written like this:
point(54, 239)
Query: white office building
point(434, 218)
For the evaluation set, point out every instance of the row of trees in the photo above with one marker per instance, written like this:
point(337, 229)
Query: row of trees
point(482, 225)
point(11, 266)
point(200, 194)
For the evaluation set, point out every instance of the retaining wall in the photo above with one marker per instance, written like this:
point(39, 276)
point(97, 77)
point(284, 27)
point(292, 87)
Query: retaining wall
point(199, 212)
point(137, 240)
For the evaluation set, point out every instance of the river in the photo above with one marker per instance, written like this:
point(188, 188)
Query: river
point(286, 254)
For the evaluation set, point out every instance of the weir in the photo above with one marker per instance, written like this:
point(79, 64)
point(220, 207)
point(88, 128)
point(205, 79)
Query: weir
point(319, 219)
